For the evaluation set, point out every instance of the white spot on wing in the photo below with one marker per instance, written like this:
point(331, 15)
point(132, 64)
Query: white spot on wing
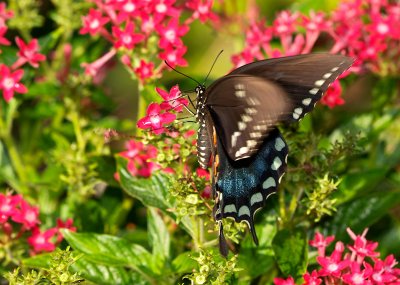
point(279, 144)
point(276, 164)
point(327, 75)
point(246, 118)
point(319, 83)
point(268, 183)
point(257, 197)
point(334, 69)
point(255, 135)
point(242, 126)
point(234, 138)
point(251, 143)
point(306, 101)
point(244, 210)
point(313, 91)
point(231, 208)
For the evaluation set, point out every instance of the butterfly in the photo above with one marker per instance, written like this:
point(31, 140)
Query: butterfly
point(238, 116)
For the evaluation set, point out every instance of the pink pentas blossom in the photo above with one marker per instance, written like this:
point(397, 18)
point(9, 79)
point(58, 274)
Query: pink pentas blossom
point(171, 34)
point(148, 24)
point(332, 96)
point(162, 8)
point(173, 99)
point(29, 52)
point(4, 14)
point(155, 120)
point(126, 38)
point(3, 40)
point(203, 173)
point(362, 247)
point(9, 82)
point(139, 158)
point(174, 56)
point(93, 23)
point(8, 205)
point(281, 281)
point(41, 241)
point(333, 265)
point(145, 70)
point(129, 9)
point(356, 276)
point(312, 279)
point(202, 10)
point(320, 242)
point(26, 215)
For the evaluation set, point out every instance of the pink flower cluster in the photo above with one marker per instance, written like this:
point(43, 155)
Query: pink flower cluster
point(359, 265)
point(158, 115)
point(364, 29)
point(18, 219)
point(10, 77)
point(139, 158)
point(136, 25)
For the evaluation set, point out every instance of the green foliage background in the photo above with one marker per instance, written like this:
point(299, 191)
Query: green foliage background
point(343, 166)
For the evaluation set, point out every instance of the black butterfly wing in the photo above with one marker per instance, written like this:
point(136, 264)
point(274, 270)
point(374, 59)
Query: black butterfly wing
point(305, 78)
point(244, 109)
point(244, 185)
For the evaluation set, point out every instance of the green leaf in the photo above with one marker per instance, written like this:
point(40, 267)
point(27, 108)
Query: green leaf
point(354, 183)
point(184, 263)
point(159, 238)
point(362, 213)
point(40, 261)
point(103, 274)
point(150, 191)
point(111, 250)
point(291, 248)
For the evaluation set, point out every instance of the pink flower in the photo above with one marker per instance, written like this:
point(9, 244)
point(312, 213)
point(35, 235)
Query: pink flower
point(312, 279)
point(129, 9)
point(281, 281)
point(321, 242)
point(144, 70)
point(174, 56)
point(285, 23)
point(161, 8)
point(356, 276)
point(379, 275)
point(155, 120)
point(40, 241)
point(3, 40)
point(202, 10)
point(9, 82)
point(27, 216)
point(93, 69)
point(148, 24)
point(68, 224)
point(314, 25)
point(139, 156)
point(172, 100)
point(333, 265)
point(203, 173)
point(8, 205)
point(243, 58)
point(93, 23)
point(29, 52)
point(332, 97)
point(126, 38)
point(362, 247)
point(4, 14)
point(170, 35)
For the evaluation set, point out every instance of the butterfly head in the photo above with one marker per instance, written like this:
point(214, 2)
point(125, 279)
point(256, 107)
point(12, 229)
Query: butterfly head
point(200, 89)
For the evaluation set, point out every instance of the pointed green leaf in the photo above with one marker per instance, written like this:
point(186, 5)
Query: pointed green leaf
point(291, 248)
point(183, 263)
point(105, 274)
point(159, 238)
point(111, 250)
point(150, 191)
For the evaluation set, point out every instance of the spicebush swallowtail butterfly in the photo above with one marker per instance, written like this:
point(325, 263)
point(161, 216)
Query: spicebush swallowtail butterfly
point(238, 115)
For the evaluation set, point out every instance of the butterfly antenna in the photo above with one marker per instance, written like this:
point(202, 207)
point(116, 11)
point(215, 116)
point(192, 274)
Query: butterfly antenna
point(177, 71)
point(215, 60)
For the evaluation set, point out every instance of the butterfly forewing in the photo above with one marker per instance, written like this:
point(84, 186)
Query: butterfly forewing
point(304, 78)
point(244, 110)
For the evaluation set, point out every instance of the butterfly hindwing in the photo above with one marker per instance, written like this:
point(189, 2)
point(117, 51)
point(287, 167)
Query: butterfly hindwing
point(243, 186)
point(244, 110)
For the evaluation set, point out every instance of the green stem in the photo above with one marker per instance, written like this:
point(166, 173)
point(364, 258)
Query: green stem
point(10, 145)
